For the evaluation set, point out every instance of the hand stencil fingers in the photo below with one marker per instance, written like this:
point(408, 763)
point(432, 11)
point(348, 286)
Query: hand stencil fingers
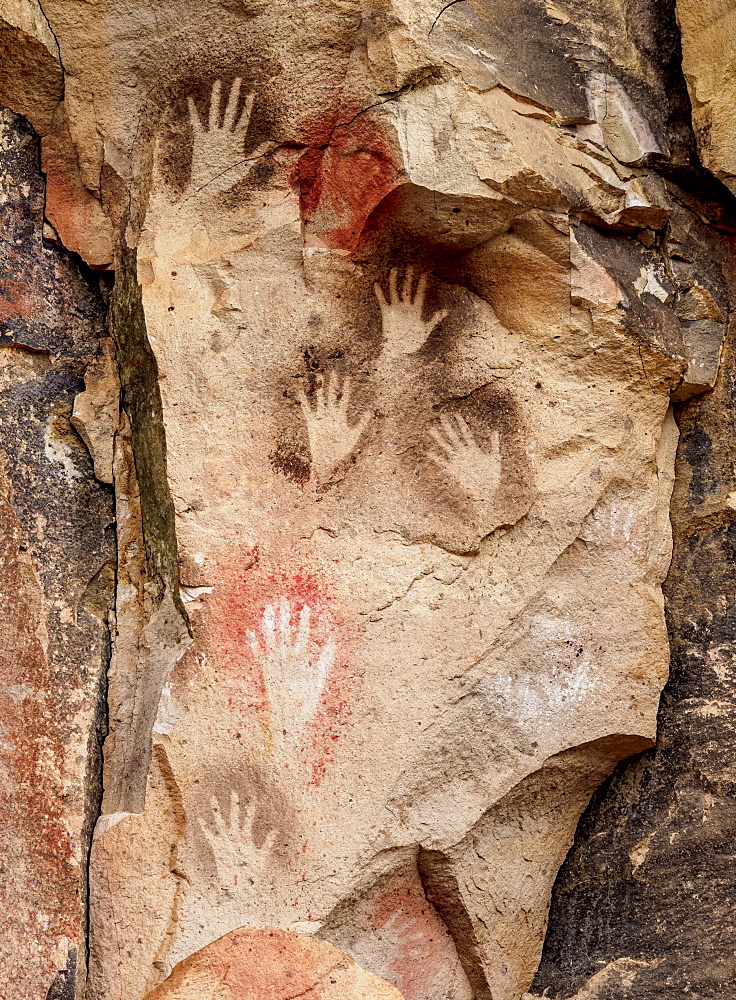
point(439, 439)
point(232, 104)
point(436, 318)
point(329, 425)
point(304, 402)
point(320, 396)
point(408, 281)
point(393, 286)
point(269, 842)
point(285, 624)
point(269, 628)
point(194, 118)
point(244, 120)
point(382, 301)
point(346, 392)
point(477, 470)
point(256, 649)
point(365, 419)
point(234, 812)
point(465, 431)
point(325, 663)
point(332, 389)
point(302, 635)
point(421, 291)
point(217, 819)
point(215, 104)
point(450, 430)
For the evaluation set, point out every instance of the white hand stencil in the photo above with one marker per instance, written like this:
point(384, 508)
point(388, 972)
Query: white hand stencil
point(477, 472)
point(331, 437)
point(404, 330)
point(218, 160)
point(294, 676)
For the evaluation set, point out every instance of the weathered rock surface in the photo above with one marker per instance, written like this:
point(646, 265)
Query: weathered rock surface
point(650, 879)
point(57, 578)
point(251, 965)
point(404, 295)
point(708, 60)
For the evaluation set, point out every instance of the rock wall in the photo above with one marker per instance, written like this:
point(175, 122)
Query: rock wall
point(642, 897)
point(57, 578)
point(404, 304)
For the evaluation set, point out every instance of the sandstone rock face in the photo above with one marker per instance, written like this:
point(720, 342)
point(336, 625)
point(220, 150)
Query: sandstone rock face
point(404, 294)
point(708, 60)
point(634, 891)
point(252, 964)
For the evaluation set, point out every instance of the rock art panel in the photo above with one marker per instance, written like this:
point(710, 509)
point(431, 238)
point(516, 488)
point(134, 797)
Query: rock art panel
point(403, 293)
point(420, 549)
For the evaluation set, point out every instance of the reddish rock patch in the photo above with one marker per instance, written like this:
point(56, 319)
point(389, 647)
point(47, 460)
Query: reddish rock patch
point(423, 954)
point(271, 965)
point(341, 182)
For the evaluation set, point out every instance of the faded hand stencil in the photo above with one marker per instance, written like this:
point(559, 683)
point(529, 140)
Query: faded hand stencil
point(450, 444)
point(404, 330)
point(238, 861)
point(332, 439)
point(218, 155)
point(221, 140)
point(477, 472)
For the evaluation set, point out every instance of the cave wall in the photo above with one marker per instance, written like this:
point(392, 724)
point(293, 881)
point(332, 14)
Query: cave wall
point(643, 897)
point(356, 340)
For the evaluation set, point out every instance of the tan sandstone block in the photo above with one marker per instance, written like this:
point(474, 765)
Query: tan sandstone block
point(258, 964)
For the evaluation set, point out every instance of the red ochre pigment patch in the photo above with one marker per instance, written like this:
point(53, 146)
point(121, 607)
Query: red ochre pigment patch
point(18, 299)
point(237, 611)
point(250, 964)
point(342, 182)
point(424, 954)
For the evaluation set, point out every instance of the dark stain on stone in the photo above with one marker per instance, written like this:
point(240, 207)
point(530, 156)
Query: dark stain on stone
point(652, 871)
point(697, 448)
point(64, 984)
point(289, 459)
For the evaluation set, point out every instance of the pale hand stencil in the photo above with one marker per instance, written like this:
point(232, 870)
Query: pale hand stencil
point(404, 330)
point(477, 472)
point(231, 841)
point(294, 673)
point(218, 160)
point(331, 436)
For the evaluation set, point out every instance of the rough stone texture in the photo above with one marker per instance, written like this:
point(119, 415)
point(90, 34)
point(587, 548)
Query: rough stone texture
point(709, 63)
point(56, 587)
point(404, 294)
point(252, 964)
point(650, 879)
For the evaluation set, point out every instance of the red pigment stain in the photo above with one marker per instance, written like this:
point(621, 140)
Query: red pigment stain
point(40, 884)
point(73, 211)
point(342, 182)
point(17, 299)
point(237, 611)
point(424, 960)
